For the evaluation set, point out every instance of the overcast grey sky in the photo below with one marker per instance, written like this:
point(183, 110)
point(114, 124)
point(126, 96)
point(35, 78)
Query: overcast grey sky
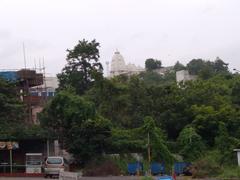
point(168, 30)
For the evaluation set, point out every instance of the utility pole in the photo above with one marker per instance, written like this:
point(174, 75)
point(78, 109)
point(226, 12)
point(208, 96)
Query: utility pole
point(24, 57)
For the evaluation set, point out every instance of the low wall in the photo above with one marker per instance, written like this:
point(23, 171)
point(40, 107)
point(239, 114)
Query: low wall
point(69, 176)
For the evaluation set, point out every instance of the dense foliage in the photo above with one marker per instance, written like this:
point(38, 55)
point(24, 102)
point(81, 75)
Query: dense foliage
point(152, 64)
point(75, 123)
point(11, 110)
point(13, 124)
point(116, 115)
point(82, 68)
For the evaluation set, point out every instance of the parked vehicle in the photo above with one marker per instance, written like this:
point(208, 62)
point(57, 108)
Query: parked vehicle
point(54, 165)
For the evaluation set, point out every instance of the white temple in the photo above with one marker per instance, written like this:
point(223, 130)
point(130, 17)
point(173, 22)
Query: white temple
point(119, 67)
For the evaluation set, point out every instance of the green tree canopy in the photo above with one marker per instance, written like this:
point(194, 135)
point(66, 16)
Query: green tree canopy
point(207, 69)
point(11, 111)
point(74, 121)
point(178, 66)
point(13, 125)
point(151, 64)
point(191, 144)
point(136, 140)
point(225, 144)
point(83, 67)
point(220, 65)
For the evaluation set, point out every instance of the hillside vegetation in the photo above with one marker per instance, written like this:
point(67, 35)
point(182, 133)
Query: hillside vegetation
point(199, 120)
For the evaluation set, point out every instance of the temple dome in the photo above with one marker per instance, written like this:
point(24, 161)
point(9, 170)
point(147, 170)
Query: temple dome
point(118, 63)
point(119, 67)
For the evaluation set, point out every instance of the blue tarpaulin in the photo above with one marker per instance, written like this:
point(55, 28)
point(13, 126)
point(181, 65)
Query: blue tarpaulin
point(179, 167)
point(157, 168)
point(9, 75)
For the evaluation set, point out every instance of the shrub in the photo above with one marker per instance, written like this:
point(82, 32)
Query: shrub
point(230, 172)
point(208, 166)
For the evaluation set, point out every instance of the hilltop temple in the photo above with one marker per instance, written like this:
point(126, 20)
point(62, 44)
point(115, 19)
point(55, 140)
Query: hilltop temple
point(118, 66)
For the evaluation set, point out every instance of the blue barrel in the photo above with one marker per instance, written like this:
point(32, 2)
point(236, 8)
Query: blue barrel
point(179, 167)
point(133, 168)
point(157, 168)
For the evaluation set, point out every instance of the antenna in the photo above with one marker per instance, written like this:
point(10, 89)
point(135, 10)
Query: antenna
point(35, 65)
point(39, 64)
point(24, 57)
point(44, 79)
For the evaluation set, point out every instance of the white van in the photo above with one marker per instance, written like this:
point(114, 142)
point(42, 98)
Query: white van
point(54, 165)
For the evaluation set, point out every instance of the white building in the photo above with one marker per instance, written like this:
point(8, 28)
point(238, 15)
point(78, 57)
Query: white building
point(118, 66)
point(164, 70)
point(41, 93)
point(49, 87)
point(183, 76)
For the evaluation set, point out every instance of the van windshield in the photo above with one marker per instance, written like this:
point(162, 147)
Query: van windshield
point(54, 161)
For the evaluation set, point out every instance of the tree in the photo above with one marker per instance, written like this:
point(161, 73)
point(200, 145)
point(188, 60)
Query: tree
point(191, 144)
point(151, 78)
point(206, 122)
point(79, 128)
point(151, 64)
point(169, 108)
point(112, 100)
point(136, 140)
point(83, 67)
point(195, 66)
point(11, 111)
point(207, 69)
point(235, 92)
point(159, 149)
point(226, 144)
point(178, 66)
point(220, 65)
point(90, 139)
point(139, 101)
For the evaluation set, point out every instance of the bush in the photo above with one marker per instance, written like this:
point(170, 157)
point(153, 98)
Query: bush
point(122, 162)
point(230, 172)
point(208, 166)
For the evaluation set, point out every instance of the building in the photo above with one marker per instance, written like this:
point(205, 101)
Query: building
point(42, 92)
point(25, 80)
point(119, 67)
point(184, 76)
point(34, 88)
point(164, 70)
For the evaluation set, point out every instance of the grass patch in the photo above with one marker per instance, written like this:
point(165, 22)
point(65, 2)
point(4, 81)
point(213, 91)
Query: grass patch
point(147, 178)
point(230, 172)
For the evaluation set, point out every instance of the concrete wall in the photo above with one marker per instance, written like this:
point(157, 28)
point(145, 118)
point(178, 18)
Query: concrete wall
point(183, 76)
